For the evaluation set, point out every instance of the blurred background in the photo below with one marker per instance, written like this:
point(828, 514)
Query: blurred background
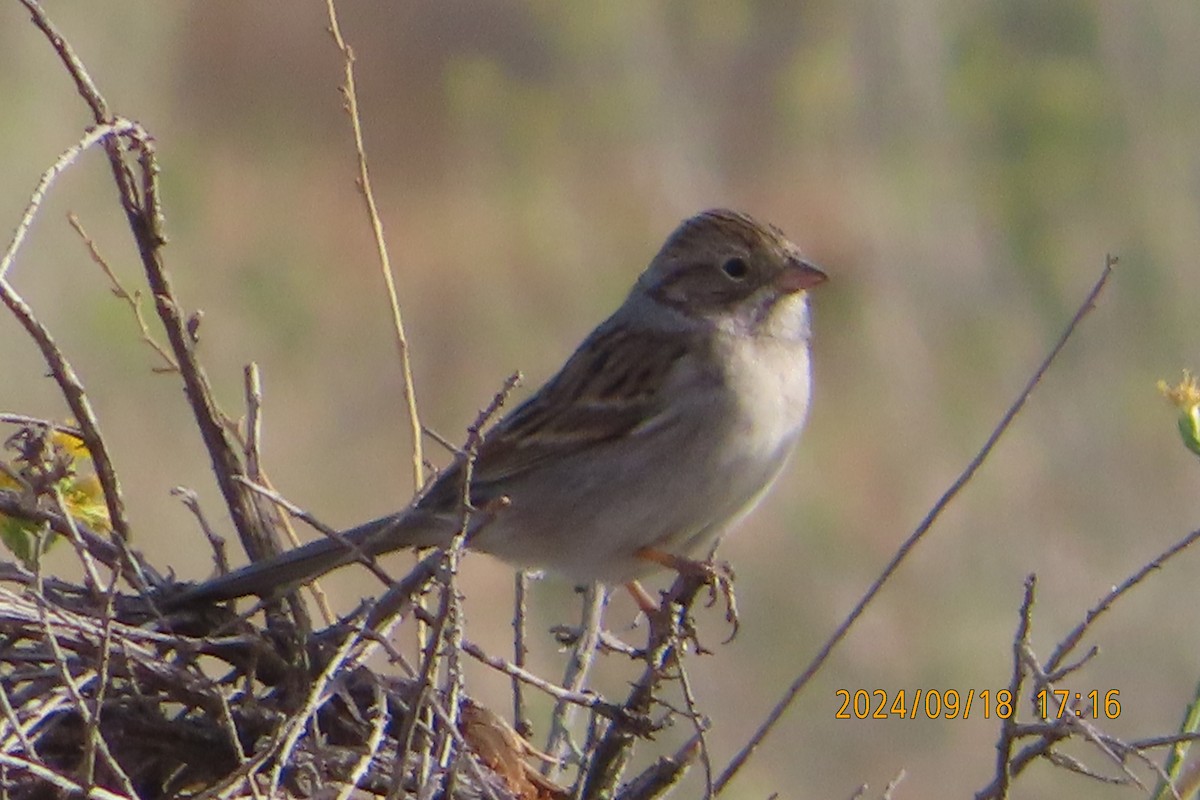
point(960, 169)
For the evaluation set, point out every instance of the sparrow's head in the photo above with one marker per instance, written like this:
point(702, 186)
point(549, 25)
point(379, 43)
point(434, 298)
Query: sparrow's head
point(725, 267)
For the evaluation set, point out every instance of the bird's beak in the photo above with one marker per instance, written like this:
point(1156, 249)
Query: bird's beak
point(799, 276)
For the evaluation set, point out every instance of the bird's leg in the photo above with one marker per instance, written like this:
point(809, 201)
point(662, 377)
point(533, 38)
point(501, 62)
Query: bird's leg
point(717, 575)
point(645, 602)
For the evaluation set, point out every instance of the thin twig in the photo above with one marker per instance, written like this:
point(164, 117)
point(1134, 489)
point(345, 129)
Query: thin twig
point(94, 136)
point(1009, 724)
point(1103, 743)
point(251, 442)
point(317, 695)
point(1163, 741)
point(584, 699)
point(18, 730)
point(893, 784)
point(700, 724)
point(85, 558)
point(131, 299)
point(379, 721)
point(68, 681)
point(26, 421)
point(252, 445)
point(579, 664)
point(916, 536)
point(385, 266)
point(66, 785)
point(299, 513)
point(463, 746)
point(191, 502)
point(521, 722)
point(1072, 639)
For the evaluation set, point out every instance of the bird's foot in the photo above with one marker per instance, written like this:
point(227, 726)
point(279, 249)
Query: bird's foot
point(716, 575)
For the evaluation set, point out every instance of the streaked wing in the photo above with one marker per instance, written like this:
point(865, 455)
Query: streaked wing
point(611, 386)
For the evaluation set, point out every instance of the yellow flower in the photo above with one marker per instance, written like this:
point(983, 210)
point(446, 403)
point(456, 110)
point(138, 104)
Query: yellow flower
point(85, 500)
point(1186, 398)
point(72, 444)
point(81, 494)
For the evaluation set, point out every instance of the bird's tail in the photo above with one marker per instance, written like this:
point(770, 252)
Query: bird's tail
point(274, 575)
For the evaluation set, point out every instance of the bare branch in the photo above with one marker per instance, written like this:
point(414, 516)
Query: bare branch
point(385, 265)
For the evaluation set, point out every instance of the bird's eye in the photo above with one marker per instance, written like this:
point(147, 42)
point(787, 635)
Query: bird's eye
point(735, 268)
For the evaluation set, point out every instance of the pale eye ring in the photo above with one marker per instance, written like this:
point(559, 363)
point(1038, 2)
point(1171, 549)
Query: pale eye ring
point(735, 267)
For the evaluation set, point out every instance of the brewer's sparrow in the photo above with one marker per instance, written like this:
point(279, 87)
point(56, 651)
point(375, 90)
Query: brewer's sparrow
point(666, 426)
